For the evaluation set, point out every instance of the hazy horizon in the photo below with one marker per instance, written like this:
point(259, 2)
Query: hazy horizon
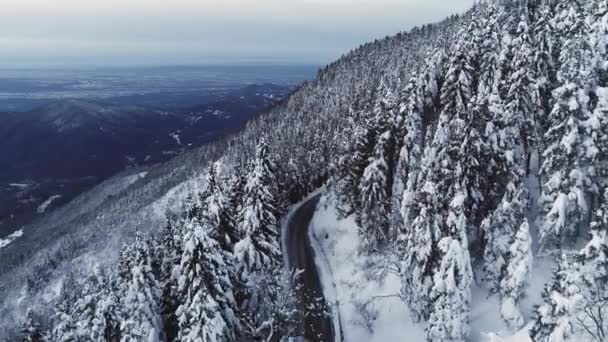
point(62, 33)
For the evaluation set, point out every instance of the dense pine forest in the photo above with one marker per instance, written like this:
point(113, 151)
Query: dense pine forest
point(464, 150)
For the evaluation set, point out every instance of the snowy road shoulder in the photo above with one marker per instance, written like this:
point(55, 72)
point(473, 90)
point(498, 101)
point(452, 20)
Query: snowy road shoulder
point(369, 309)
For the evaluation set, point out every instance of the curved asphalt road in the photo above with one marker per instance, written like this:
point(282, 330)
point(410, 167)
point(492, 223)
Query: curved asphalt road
point(317, 324)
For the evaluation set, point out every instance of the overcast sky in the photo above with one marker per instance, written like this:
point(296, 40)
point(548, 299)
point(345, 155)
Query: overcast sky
point(131, 32)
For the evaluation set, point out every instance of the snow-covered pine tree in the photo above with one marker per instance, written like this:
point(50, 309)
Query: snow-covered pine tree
point(408, 165)
point(500, 228)
point(234, 195)
point(597, 145)
point(450, 301)
point(140, 294)
point(426, 214)
point(63, 322)
point(594, 270)
point(418, 244)
point(489, 51)
point(522, 99)
point(545, 72)
point(192, 206)
point(475, 166)
point(599, 41)
point(258, 254)
point(511, 111)
point(268, 314)
point(31, 330)
point(457, 89)
point(97, 310)
point(598, 121)
point(64, 325)
point(204, 290)
point(216, 214)
point(259, 248)
point(556, 316)
point(568, 176)
point(170, 254)
point(375, 198)
point(422, 107)
point(517, 273)
point(449, 319)
point(410, 111)
point(353, 164)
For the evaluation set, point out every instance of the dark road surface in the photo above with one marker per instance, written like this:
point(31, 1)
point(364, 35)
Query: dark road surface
point(317, 324)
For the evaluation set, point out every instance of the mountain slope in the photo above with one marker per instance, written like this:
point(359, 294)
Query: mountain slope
point(311, 124)
point(429, 144)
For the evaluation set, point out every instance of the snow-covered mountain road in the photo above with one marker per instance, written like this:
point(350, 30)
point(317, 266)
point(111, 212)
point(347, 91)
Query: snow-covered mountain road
point(317, 324)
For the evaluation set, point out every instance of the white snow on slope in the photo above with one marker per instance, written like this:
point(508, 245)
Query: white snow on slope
point(18, 185)
point(176, 137)
point(42, 207)
point(370, 309)
point(7, 240)
point(367, 298)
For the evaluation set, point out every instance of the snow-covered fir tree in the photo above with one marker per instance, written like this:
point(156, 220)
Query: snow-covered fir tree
point(216, 211)
point(63, 322)
point(170, 252)
point(31, 331)
point(259, 248)
point(97, 310)
point(545, 72)
point(204, 290)
point(375, 198)
point(568, 175)
point(556, 317)
point(449, 319)
point(513, 285)
point(593, 261)
point(140, 294)
point(490, 36)
point(352, 166)
point(234, 194)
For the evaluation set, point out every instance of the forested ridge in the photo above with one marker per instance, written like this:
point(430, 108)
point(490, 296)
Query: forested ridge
point(464, 149)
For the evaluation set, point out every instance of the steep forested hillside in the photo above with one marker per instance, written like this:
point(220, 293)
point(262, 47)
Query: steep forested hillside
point(463, 152)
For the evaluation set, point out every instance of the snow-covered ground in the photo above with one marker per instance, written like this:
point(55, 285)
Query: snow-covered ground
point(370, 309)
point(368, 297)
point(10, 238)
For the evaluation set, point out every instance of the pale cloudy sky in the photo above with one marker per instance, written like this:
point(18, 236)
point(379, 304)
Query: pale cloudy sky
point(199, 31)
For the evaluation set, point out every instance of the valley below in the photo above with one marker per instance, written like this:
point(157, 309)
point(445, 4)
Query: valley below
point(64, 131)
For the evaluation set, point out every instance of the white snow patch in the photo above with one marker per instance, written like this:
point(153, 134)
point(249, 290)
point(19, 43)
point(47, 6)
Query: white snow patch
point(176, 137)
point(14, 236)
point(521, 336)
point(368, 299)
point(42, 207)
point(18, 185)
point(370, 309)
